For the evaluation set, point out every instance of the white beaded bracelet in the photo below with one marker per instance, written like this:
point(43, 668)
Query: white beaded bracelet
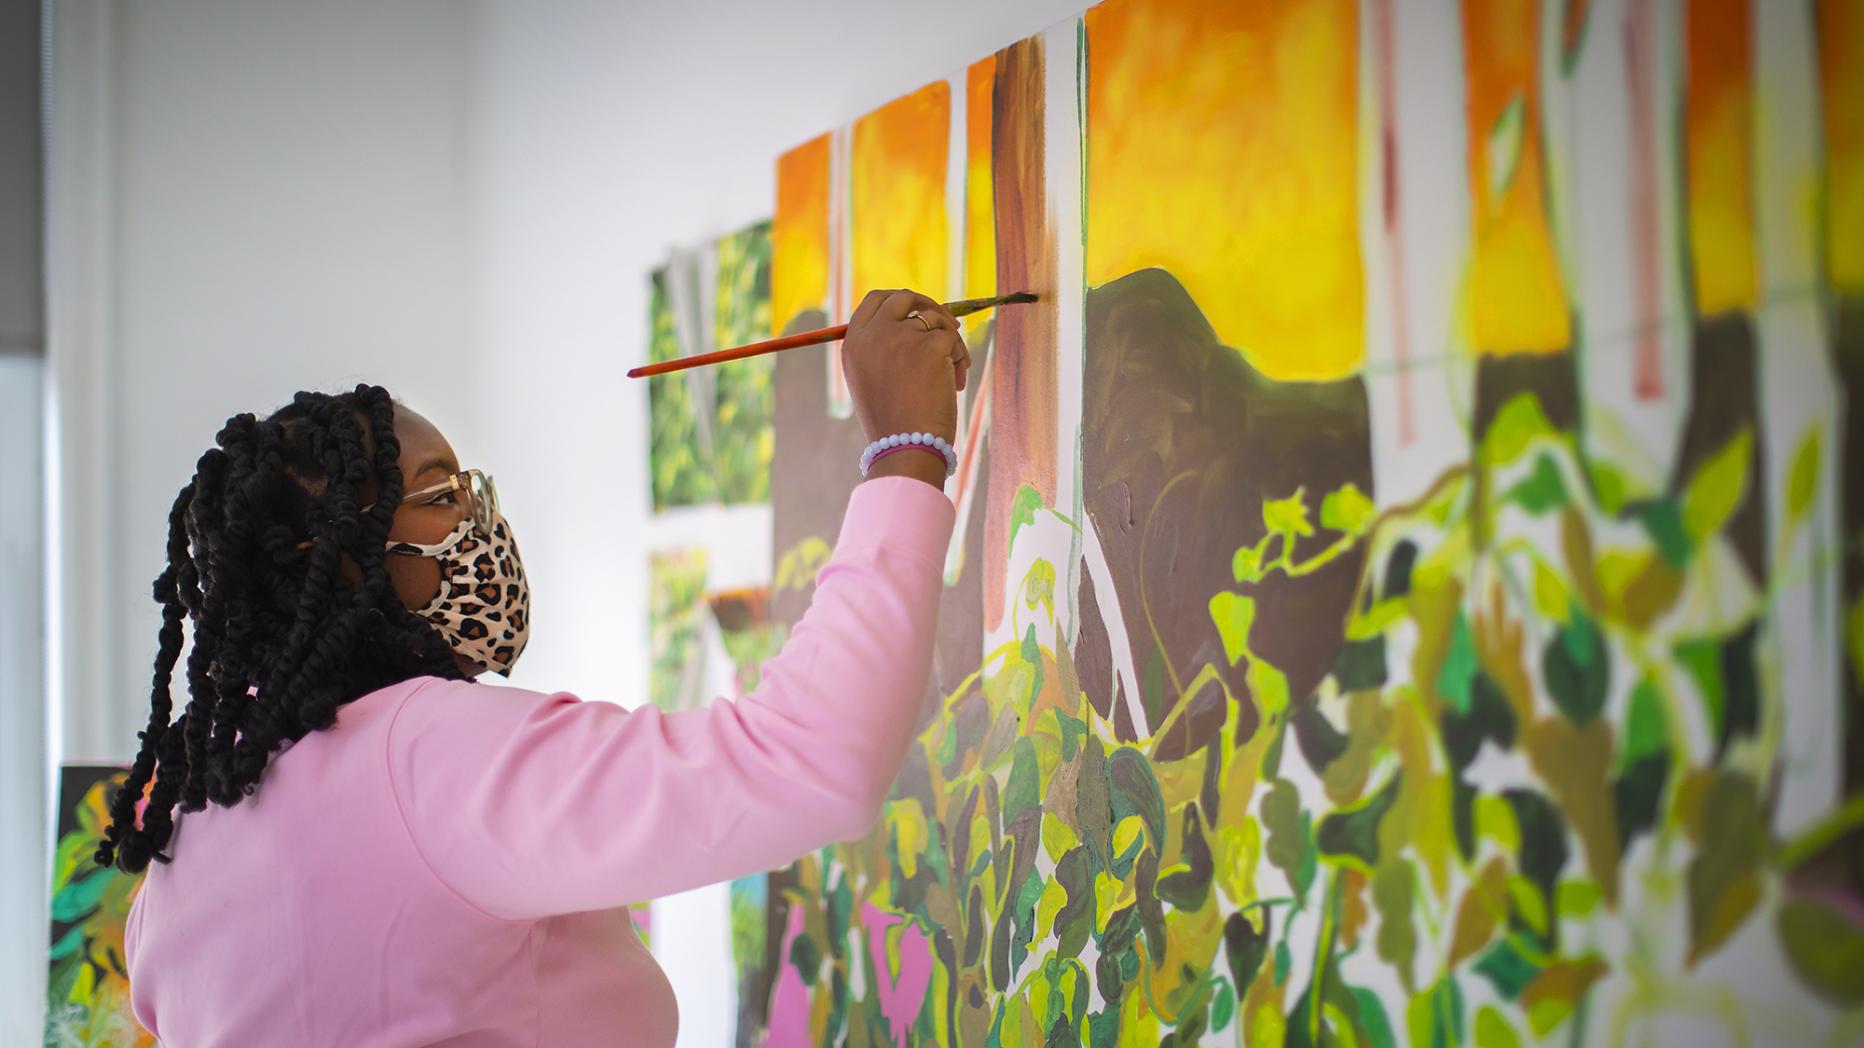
point(917, 441)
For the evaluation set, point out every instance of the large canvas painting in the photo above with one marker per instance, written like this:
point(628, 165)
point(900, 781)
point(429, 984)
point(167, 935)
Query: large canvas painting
point(1409, 582)
point(709, 435)
point(87, 992)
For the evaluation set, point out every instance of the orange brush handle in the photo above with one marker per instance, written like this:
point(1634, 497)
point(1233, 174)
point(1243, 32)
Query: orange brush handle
point(755, 349)
point(808, 338)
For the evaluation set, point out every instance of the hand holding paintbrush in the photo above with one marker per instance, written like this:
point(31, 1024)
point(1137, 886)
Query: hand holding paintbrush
point(961, 308)
point(904, 359)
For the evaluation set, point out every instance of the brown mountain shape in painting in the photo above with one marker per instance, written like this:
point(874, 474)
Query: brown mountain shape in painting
point(1182, 443)
point(812, 474)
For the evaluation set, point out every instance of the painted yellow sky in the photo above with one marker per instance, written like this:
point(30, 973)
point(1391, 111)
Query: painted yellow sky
point(1841, 73)
point(799, 232)
point(1516, 296)
point(980, 220)
point(1718, 125)
point(1223, 146)
point(897, 188)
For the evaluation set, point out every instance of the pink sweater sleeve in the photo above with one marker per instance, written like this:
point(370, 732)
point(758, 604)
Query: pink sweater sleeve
point(528, 805)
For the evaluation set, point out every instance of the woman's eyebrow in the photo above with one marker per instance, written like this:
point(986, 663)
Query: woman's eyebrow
point(439, 462)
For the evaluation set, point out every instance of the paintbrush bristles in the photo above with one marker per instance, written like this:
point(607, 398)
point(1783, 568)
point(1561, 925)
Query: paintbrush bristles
point(969, 306)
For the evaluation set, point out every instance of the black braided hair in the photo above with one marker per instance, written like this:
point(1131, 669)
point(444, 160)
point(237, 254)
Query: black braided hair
point(283, 635)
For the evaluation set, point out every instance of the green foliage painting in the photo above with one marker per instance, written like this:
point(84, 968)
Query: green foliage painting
point(676, 624)
point(1403, 611)
point(87, 995)
point(710, 438)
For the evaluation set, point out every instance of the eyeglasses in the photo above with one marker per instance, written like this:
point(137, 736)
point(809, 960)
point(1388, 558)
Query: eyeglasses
point(481, 496)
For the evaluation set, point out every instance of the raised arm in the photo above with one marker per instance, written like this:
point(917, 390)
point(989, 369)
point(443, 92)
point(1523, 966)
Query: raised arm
point(528, 804)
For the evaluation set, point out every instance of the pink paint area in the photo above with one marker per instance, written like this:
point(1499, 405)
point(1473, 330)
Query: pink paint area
point(789, 1002)
point(901, 994)
point(1646, 257)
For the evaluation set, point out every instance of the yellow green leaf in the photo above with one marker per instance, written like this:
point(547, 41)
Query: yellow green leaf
point(1551, 599)
point(1718, 487)
point(1233, 613)
point(1493, 1031)
point(1057, 837)
point(1577, 898)
point(1495, 820)
point(1516, 426)
point(1803, 476)
point(1347, 510)
point(1287, 516)
point(1528, 902)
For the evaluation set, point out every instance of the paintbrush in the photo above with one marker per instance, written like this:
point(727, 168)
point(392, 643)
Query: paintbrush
point(811, 338)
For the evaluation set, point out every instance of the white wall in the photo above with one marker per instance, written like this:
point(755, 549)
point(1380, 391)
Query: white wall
point(274, 196)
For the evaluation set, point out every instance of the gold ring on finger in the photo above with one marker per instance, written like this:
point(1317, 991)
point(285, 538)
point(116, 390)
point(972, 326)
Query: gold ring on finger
point(920, 317)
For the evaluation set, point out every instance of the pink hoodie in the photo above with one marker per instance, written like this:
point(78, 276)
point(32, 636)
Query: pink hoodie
point(446, 865)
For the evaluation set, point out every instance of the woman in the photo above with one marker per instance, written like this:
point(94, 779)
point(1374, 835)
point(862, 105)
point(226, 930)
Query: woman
point(380, 850)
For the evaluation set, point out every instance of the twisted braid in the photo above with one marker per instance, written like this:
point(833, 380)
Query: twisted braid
point(281, 575)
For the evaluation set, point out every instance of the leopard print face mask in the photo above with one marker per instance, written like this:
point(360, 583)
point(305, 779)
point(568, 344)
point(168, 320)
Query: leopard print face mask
point(483, 608)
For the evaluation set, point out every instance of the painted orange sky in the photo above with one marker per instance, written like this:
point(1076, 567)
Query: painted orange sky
point(799, 232)
point(1223, 146)
point(1718, 132)
point(901, 228)
point(1516, 296)
point(1841, 72)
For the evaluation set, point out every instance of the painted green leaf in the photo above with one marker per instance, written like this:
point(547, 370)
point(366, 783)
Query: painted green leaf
point(1826, 949)
point(1032, 656)
point(1646, 729)
point(1233, 613)
point(1393, 885)
point(1284, 961)
point(1281, 815)
point(80, 897)
point(1507, 968)
point(69, 943)
point(1287, 516)
point(1515, 426)
point(1021, 793)
point(1608, 485)
point(1663, 522)
point(1355, 831)
point(1222, 1008)
point(1577, 668)
point(1701, 658)
point(1803, 476)
point(1435, 1017)
point(1493, 1031)
point(1039, 586)
point(1246, 565)
point(1541, 490)
point(1246, 945)
point(1023, 510)
point(1347, 510)
point(1459, 666)
point(1724, 881)
point(1718, 487)
point(1372, 1019)
point(1134, 790)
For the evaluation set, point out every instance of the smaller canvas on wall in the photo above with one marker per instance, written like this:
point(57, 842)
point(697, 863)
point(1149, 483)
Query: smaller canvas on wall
point(87, 993)
point(710, 435)
point(676, 624)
